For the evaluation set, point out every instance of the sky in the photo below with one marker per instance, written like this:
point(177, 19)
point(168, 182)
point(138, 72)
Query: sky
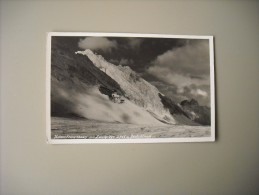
point(179, 68)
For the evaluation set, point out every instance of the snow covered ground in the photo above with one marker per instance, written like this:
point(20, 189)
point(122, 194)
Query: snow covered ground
point(91, 129)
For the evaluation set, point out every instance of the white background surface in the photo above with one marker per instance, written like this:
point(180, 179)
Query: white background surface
point(229, 166)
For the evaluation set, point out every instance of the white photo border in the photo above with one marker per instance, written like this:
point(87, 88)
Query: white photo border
point(115, 141)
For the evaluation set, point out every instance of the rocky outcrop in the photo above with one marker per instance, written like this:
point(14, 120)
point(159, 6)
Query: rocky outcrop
point(197, 113)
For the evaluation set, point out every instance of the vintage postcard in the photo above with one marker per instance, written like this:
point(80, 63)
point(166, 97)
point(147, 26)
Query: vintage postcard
point(129, 88)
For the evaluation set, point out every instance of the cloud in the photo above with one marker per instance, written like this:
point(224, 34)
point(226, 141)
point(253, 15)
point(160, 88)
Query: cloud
point(97, 43)
point(134, 42)
point(201, 93)
point(187, 68)
point(191, 59)
point(96, 106)
point(180, 87)
point(166, 75)
point(124, 61)
point(184, 65)
point(114, 61)
point(168, 90)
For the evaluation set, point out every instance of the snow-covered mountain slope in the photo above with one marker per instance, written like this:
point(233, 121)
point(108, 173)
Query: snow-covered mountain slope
point(97, 106)
point(136, 89)
point(75, 90)
point(81, 86)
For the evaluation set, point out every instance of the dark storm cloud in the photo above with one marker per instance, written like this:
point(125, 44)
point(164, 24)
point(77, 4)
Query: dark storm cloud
point(183, 65)
point(114, 61)
point(186, 67)
point(179, 68)
point(168, 90)
point(190, 60)
point(140, 50)
point(127, 62)
point(134, 43)
point(122, 61)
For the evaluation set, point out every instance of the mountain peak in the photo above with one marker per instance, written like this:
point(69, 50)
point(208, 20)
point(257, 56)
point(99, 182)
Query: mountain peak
point(137, 90)
point(89, 52)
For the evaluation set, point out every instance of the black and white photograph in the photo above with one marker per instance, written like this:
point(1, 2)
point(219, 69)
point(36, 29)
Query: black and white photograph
point(130, 88)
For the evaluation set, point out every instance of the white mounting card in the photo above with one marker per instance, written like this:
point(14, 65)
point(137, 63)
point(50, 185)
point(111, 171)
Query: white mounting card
point(129, 88)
